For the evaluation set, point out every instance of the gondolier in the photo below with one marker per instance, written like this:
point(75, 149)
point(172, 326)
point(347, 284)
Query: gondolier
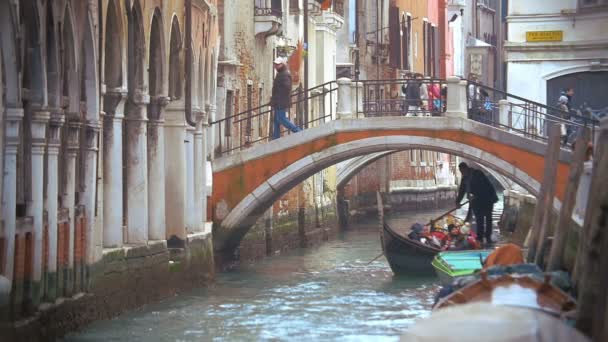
point(482, 196)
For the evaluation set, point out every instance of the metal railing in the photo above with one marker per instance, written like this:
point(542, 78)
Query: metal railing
point(247, 128)
point(261, 12)
point(268, 8)
point(526, 117)
point(402, 97)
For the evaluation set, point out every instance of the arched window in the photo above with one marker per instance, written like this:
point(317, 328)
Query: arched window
point(175, 79)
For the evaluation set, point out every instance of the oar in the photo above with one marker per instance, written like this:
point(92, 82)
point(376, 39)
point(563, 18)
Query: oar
point(446, 214)
point(374, 259)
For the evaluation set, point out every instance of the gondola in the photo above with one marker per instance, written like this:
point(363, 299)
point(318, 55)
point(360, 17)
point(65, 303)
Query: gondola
point(406, 256)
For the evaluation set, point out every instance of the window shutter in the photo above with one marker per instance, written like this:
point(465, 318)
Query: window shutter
point(394, 37)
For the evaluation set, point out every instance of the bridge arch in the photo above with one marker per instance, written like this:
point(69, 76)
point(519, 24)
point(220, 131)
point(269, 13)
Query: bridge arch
point(515, 157)
point(348, 169)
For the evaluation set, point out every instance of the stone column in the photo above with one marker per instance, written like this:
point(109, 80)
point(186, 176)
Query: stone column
point(156, 170)
point(91, 132)
point(70, 195)
point(13, 119)
point(175, 173)
point(190, 192)
point(503, 112)
point(344, 108)
point(457, 98)
point(114, 102)
point(137, 169)
point(357, 97)
point(52, 193)
point(35, 208)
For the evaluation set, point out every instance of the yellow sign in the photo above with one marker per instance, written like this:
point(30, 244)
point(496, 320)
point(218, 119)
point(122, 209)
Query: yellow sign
point(544, 36)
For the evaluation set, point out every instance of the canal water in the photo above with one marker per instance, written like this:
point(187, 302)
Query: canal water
point(331, 292)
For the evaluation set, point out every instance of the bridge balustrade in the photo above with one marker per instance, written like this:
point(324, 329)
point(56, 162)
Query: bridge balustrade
point(344, 99)
point(390, 97)
point(308, 108)
point(522, 116)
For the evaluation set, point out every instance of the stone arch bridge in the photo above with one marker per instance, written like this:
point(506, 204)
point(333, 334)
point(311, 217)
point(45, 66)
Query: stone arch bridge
point(246, 183)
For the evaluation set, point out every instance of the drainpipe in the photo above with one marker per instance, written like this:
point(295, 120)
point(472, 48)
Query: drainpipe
point(276, 28)
point(188, 64)
point(307, 50)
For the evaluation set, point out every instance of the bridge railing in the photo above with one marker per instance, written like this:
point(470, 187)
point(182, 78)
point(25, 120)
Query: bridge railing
point(402, 97)
point(517, 114)
point(246, 128)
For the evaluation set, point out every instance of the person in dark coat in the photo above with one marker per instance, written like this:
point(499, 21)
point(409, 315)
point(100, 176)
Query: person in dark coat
point(482, 196)
point(565, 104)
point(412, 95)
point(281, 98)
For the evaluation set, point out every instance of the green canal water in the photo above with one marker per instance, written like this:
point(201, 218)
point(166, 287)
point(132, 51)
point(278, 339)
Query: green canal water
point(326, 293)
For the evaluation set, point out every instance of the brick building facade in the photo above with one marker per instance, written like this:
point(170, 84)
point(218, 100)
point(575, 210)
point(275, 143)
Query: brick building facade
point(392, 40)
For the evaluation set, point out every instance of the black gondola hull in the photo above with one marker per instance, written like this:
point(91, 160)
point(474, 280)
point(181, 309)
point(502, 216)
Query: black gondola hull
point(405, 256)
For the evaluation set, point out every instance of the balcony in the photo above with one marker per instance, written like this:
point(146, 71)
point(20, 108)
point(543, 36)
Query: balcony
point(456, 4)
point(268, 15)
point(314, 8)
point(331, 20)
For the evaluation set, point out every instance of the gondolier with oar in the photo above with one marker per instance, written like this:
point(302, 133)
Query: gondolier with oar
point(482, 196)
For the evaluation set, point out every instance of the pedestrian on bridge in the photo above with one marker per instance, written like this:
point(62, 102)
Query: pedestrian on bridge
point(413, 99)
point(482, 196)
point(281, 98)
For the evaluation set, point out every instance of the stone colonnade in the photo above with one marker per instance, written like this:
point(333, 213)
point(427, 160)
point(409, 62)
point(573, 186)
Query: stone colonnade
point(94, 126)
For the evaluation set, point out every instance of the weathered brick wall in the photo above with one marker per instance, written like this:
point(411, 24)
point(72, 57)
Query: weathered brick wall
point(295, 223)
point(411, 169)
point(63, 236)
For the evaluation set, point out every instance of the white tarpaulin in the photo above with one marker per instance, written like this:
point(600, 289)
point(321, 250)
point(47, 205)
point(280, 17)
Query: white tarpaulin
point(491, 323)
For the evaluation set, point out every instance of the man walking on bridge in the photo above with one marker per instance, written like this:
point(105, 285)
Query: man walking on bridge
point(482, 197)
point(281, 98)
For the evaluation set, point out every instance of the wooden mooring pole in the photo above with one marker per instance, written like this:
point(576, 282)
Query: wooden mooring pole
point(544, 203)
point(577, 165)
point(591, 270)
point(380, 204)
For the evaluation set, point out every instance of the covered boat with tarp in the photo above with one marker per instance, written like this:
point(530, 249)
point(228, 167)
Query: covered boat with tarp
point(483, 321)
point(515, 285)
